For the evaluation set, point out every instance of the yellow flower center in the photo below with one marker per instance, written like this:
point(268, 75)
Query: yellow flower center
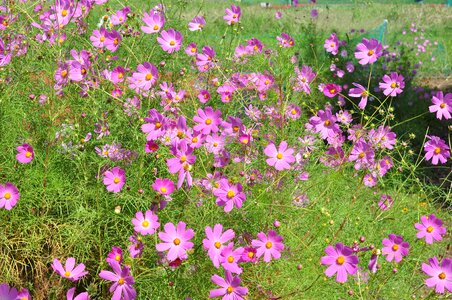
point(370, 53)
point(442, 105)
point(217, 245)
point(64, 13)
point(28, 154)
point(145, 223)
point(279, 156)
point(365, 94)
point(255, 48)
point(121, 281)
point(340, 260)
point(442, 276)
point(116, 180)
point(332, 45)
point(234, 16)
point(429, 229)
point(293, 112)
point(118, 257)
point(361, 155)
point(395, 247)
point(158, 125)
point(194, 140)
point(148, 76)
point(156, 27)
point(268, 245)
point(332, 91)
point(83, 71)
point(437, 150)
point(327, 123)
point(183, 158)
point(230, 194)
point(7, 196)
point(227, 98)
point(394, 85)
point(235, 128)
point(172, 43)
point(102, 39)
point(176, 241)
point(245, 141)
point(67, 273)
point(208, 121)
point(251, 254)
point(63, 73)
point(230, 259)
point(193, 50)
point(116, 41)
point(163, 189)
point(120, 75)
point(267, 82)
point(230, 289)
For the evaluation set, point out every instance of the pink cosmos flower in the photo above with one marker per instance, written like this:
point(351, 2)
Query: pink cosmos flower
point(370, 180)
point(24, 294)
point(325, 124)
point(392, 85)
point(155, 126)
point(368, 51)
point(115, 179)
point(145, 224)
point(154, 22)
point(136, 247)
point(69, 271)
point(115, 255)
point(204, 96)
point(176, 241)
point(280, 158)
point(170, 40)
point(249, 254)
point(70, 295)
point(332, 44)
point(230, 258)
point(331, 90)
point(215, 240)
point(121, 288)
point(285, 40)
point(341, 261)
point(197, 23)
point(182, 163)
point(145, 77)
point(26, 154)
point(303, 79)
point(120, 16)
point(440, 274)
point(395, 248)
point(191, 49)
point(229, 195)
point(230, 288)
point(362, 153)
point(233, 14)
point(385, 202)
point(9, 195)
point(208, 120)
point(204, 60)
point(430, 229)
point(112, 41)
point(436, 150)
point(270, 246)
point(293, 111)
point(8, 293)
point(98, 37)
point(359, 92)
point(442, 105)
point(163, 186)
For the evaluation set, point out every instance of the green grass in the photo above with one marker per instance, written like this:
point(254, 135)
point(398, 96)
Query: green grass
point(66, 211)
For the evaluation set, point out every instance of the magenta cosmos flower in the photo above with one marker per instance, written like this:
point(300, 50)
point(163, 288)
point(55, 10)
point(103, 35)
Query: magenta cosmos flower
point(9, 195)
point(395, 248)
point(70, 295)
point(341, 261)
point(230, 288)
point(215, 240)
point(285, 40)
point(440, 274)
point(436, 150)
point(26, 154)
point(154, 22)
point(270, 246)
point(7, 293)
point(163, 186)
point(176, 241)
point(385, 202)
point(115, 255)
point(325, 124)
point(430, 229)
point(145, 223)
point(392, 85)
point(359, 92)
point(182, 163)
point(197, 23)
point(170, 40)
point(115, 179)
point(280, 158)
point(442, 105)
point(233, 14)
point(69, 271)
point(229, 195)
point(145, 77)
point(368, 51)
point(208, 120)
point(121, 288)
point(332, 44)
point(331, 90)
